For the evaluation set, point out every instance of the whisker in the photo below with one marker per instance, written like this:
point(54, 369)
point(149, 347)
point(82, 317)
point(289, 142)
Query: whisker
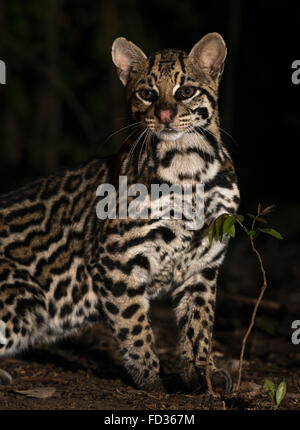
point(211, 133)
point(228, 134)
point(143, 146)
point(140, 140)
point(141, 149)
point(192, 131)
point(128, 137)
point(206, 130)
point(135, 125)
point(148, 142)
point(130, 155)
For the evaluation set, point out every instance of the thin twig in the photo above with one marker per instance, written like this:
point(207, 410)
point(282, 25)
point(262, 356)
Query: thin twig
point(263, 288)
point(269, 305)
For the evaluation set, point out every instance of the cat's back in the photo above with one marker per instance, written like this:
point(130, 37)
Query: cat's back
point(35, 215)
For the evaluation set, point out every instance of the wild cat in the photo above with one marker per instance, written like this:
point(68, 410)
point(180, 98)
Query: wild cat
point(62, 268)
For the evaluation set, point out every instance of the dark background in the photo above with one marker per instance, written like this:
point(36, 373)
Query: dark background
point(63, 99)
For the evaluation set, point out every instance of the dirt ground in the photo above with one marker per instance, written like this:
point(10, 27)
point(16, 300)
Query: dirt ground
point(87, 378)
point(85, 372)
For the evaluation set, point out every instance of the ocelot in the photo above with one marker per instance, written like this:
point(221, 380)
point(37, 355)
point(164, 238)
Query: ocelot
point(63, 268)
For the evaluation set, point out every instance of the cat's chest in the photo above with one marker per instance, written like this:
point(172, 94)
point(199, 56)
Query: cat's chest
point(189, 166)
point(170, 245)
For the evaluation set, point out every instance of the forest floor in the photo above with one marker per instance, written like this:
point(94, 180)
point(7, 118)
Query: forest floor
point(83, 374)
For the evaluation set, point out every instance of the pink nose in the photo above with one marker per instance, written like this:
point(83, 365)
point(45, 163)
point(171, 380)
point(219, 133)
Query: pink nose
point(165, 115)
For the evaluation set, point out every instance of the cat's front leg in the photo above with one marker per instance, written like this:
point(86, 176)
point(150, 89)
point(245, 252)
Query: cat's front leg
point(125, 304)
point(194, 303)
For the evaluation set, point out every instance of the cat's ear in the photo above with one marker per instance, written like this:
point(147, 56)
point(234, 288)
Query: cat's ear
point(209, 54)
point(125, 55)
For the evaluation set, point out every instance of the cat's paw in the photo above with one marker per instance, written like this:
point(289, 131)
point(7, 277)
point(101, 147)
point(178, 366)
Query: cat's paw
point(221, 379)
point(194, 380)
point(5, 378)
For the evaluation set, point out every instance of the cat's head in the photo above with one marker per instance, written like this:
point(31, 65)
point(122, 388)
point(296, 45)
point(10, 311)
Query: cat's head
point(171, 92)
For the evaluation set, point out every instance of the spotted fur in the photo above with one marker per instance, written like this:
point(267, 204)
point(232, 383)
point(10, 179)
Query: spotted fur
point(61, 268)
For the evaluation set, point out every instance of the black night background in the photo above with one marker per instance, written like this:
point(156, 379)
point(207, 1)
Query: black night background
point(60, 105)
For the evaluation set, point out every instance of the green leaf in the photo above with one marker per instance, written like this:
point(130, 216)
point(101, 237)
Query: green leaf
point(228, 223)
point(271, 232)
point(280, 392)
point(219, 223)
point(211, 232)
point(270, 388)
point(231, 231)
point(240, 218)
point(251, 233)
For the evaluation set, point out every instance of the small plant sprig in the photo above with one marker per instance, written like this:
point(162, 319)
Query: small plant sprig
point(225, 224)
point(276, 393)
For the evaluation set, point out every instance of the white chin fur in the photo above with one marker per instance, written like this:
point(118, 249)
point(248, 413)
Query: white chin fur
point(169, 136)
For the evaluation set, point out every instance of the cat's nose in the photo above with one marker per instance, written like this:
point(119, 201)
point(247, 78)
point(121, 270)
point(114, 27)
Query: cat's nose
point(165, 116)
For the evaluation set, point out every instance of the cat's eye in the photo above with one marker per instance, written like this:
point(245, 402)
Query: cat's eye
point(147, 95)
point(185, 92)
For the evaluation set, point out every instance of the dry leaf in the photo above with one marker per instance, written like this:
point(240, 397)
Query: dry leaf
point(254, 386)
point(38, 393)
